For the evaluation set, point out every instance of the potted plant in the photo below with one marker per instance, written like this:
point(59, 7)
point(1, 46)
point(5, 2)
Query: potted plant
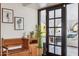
point(38, 36)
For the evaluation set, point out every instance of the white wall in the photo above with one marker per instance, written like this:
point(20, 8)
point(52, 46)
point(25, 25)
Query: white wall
point(30, 20)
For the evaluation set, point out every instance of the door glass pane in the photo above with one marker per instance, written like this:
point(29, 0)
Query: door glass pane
point(58, 50)
point(51, 23)
point(57, 22)
point(58, 31)
point(43, 16)
point(58, 13)
point(43, 26)
point(72, 29)
point(51, 31)
point(51, 40)
point(51, 14)
point(51, 48)
point(58, 40)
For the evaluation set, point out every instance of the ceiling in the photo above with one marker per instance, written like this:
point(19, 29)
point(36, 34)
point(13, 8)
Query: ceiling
point(38, 5)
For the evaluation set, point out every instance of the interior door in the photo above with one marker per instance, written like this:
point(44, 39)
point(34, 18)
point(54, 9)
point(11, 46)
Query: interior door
point(54, 30)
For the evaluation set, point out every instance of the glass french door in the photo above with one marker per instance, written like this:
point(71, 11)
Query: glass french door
point(62, 29)
point(54, 29)
point(42, 23)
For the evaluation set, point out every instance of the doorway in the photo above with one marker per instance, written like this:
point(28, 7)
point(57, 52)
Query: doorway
point(62, 30)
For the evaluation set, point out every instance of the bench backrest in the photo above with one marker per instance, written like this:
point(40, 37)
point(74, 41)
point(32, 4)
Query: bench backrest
point(15, 42)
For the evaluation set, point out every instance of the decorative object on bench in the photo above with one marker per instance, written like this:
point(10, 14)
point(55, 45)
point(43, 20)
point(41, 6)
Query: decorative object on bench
point(18, 23)
point(7, 15)
point(31, 34)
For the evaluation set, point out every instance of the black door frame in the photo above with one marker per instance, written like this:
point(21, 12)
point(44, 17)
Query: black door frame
point(78, 29)
point(64, 50)
point(63, 45)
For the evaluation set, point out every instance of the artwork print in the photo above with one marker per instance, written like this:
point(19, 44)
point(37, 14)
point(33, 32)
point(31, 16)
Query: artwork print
point(7, 15)
point(19, 23)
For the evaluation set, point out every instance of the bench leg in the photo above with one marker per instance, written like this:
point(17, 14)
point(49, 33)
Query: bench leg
point(7, 53)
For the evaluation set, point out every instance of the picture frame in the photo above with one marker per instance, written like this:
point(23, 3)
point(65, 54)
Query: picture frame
point(7, 15)
point(18, 23)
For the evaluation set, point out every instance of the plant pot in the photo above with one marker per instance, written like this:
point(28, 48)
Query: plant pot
point(40, 51)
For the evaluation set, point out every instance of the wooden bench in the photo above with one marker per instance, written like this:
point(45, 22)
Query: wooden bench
point(15, 42)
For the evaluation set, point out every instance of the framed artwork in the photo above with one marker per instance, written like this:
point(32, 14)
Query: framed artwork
point(18, 23)
point(7, 15)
